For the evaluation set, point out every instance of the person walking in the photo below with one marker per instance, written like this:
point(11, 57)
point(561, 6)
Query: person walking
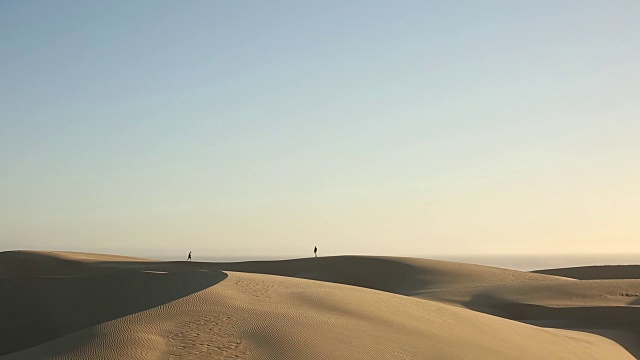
point(189, 257)
point(315, 251)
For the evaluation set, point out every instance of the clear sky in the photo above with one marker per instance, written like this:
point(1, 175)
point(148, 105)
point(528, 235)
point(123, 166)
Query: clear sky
point(363, 127)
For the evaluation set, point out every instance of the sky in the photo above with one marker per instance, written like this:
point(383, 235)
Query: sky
point(265, 128)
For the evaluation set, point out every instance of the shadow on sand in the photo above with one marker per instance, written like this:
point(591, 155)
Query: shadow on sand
point(38, 309)
point(617, 323)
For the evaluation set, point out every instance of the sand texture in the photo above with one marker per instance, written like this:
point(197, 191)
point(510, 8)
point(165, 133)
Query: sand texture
point(87, 306)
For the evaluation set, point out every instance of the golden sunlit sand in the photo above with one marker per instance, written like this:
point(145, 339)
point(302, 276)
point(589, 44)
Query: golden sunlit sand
point(58, 305)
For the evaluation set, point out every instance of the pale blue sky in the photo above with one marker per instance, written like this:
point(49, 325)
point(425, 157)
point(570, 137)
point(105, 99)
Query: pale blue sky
point(371, 127)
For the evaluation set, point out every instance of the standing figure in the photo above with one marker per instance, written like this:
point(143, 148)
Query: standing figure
point(189, 257)
point(315, 251)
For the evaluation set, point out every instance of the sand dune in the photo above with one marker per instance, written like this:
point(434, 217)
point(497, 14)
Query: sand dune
point(407, 276)
point(552, 300)
point(596, 272)
point(78, 306)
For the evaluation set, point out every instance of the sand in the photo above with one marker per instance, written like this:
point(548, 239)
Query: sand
point(88, 306)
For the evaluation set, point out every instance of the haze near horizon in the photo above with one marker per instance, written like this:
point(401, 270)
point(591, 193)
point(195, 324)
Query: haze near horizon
point(253, 128)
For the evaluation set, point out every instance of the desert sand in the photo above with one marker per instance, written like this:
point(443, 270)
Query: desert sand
point(57, 305)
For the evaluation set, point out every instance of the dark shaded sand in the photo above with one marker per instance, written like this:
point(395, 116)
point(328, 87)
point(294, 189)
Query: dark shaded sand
point(603, 272)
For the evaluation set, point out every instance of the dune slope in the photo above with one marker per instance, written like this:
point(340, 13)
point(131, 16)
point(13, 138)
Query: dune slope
point(79, 294)
point(596, 272)
point(265, 317)
point(608, 307)
point(192, 310)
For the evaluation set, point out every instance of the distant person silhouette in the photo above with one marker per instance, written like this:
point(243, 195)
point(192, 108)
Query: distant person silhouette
point(315, 251)
point(189, 257)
